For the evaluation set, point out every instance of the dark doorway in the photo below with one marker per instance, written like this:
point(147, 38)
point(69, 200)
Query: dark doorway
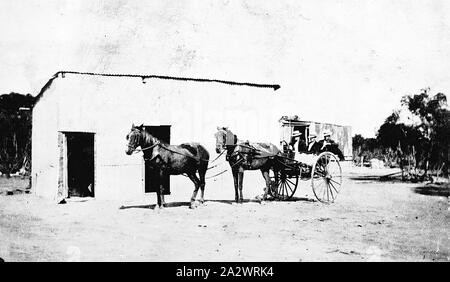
point(80, 164)
point(152, 180)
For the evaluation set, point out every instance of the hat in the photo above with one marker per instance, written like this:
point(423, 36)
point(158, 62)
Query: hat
point(327, 133)
point(312, 134)
point(296, 134)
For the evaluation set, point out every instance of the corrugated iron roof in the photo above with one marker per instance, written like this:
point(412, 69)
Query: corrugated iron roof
point(145, 76)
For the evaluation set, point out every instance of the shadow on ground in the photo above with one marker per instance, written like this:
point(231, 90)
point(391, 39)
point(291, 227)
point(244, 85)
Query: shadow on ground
point(433, 190)
point(228, 202)
point(293, 199)
point(376, 178)
point(168, 205)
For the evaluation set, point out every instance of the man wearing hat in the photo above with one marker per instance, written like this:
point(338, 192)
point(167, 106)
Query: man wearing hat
point(328, 144)
point(301, 147)
point(327, 141)
point(313, 145)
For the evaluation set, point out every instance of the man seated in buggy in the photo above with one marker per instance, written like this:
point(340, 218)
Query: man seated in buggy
point(307, 154)
point(327, 141)
point(330, 145)
point(301, 146)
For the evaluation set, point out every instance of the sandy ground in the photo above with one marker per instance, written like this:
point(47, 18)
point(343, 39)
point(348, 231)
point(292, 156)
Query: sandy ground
point(370, 221)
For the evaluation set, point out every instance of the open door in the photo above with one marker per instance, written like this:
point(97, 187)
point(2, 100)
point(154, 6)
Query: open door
point(152, 179)
point(76, 174)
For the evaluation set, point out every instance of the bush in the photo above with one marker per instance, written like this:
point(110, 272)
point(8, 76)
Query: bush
point(15, 132)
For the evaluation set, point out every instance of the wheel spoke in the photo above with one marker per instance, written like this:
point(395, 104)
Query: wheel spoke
point(331, 192)
point(319, 173)
point(280, 184)
point(290, 182)
point(288, 186)
point(334, 187)
point(323, 171)
point(337, 183)
point(323, 194)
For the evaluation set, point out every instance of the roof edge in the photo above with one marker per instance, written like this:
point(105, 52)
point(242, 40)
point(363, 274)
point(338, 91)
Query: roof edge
point(165, 77)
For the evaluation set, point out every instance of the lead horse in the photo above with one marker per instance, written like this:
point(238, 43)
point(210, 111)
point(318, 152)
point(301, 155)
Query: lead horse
point(184, 159)
point(244, 155)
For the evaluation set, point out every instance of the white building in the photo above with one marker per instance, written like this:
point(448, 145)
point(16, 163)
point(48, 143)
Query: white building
point(81, 119)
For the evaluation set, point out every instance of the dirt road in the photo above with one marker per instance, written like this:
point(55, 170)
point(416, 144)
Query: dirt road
point(370, 221)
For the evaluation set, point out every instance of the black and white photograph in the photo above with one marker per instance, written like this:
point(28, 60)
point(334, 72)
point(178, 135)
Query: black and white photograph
point(244, 132)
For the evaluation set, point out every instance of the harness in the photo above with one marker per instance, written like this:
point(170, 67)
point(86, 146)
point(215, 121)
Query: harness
point(158, 143)
point(236, 152)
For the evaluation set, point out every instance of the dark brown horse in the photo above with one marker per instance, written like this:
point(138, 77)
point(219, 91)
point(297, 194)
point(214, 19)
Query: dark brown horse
point(184, 159)
point(244, 155)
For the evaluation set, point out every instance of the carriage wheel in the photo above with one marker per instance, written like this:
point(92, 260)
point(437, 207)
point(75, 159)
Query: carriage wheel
point(326, 177)
point(284, 184)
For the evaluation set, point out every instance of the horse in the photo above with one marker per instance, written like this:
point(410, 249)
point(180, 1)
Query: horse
point(184, 159)
point(244, 155)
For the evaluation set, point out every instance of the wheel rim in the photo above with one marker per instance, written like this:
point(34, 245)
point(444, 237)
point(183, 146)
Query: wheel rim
point(326, 178)
point(284, 189)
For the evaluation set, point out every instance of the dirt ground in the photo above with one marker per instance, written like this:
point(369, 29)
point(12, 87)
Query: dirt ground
point(371, 220)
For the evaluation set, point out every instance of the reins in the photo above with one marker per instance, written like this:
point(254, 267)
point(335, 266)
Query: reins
point(146, 148)
point(164, 147)
point(267, 155)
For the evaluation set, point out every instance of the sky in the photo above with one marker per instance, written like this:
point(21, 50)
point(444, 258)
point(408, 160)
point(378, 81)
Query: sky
point(343, 62)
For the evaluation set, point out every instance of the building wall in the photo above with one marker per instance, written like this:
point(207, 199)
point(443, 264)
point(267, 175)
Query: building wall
point(107, 106)
point(44, 146)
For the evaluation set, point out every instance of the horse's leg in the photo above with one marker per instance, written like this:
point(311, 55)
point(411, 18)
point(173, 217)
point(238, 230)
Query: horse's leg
point(202, 173)
point(158, 198)
point(241, 179)
point(196, 181)
point(236, 184)
point(161, 202)
point(266, 176)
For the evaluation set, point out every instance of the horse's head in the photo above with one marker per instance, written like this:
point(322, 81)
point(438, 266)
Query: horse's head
point(224, 137)
point(134, 138)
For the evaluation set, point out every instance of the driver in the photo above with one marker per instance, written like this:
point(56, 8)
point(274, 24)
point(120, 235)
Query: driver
point(301, 147)
point(327, 139)
point(313, 145)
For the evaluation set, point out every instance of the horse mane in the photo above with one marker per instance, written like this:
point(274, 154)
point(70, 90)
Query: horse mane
point(230, 133)
point(149, 138)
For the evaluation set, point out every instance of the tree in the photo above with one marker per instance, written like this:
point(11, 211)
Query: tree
point(15, 132)
point(434, 115)
point(423, 145)
point(366, 148)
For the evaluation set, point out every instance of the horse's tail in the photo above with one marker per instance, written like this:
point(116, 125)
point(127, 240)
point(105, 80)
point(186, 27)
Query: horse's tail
point(203, 166)
point(204, 157)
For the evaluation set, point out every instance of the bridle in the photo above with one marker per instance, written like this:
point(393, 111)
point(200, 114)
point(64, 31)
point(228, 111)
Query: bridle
point(135, 150)
point(146, 148)
point(228, 139)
